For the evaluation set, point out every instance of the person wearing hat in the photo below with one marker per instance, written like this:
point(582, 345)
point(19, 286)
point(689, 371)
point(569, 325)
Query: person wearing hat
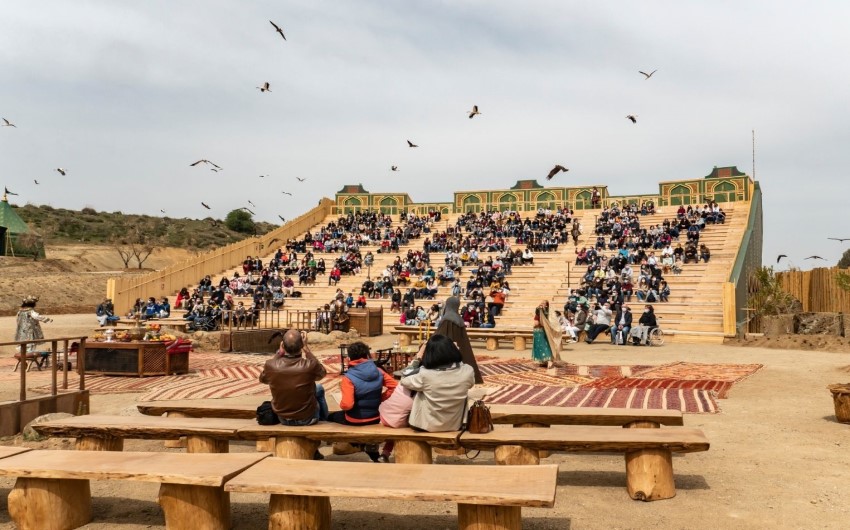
point(106, 313)
point(29, 322)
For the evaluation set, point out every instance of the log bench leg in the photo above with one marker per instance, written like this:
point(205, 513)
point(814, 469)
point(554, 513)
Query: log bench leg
point(519, 343)
point(412, 452)
point(93, 443)
point(265, 446)
point(483, 517)
point(404, 339)
point(516, 455)
point(445, 451)
point(50, 504)
point(295, 448)
point(299, 512)
point(191, 507)
point(492, 343)
point(542, 453)
point(176, 444)
point(649, 475)
point(205, 444)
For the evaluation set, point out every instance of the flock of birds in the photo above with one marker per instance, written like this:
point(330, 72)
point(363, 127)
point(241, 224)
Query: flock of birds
point(815, 256)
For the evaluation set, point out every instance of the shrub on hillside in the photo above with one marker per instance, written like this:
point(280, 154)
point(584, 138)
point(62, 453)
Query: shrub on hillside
point(240, 221)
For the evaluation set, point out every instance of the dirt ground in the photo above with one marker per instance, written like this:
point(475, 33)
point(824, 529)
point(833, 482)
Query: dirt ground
point(778, 459)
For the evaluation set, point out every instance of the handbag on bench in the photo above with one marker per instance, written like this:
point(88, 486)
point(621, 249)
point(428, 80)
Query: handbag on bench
point(478, 419)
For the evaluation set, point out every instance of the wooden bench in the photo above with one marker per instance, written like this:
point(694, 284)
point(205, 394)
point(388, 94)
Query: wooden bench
point(649, 462)
point(491, 336)
point(107, 433)
point(52, 489)
point(488, 497)
point(411, 447)
point(6, 451)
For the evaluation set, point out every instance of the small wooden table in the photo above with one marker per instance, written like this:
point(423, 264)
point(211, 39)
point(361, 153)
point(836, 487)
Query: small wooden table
point(138, 358)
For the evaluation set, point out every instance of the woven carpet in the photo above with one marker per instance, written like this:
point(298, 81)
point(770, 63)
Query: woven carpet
point(686, 400)
point(732, 373)
point(721, 388)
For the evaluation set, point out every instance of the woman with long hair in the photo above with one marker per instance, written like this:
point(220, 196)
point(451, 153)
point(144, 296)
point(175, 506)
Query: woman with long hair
point(546, 345)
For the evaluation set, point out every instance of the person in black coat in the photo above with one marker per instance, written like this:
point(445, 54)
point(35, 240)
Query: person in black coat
point(621, 325)
point(646, 324)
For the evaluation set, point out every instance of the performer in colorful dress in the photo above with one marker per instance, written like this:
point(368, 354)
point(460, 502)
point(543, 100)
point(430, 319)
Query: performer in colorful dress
point(29, 322)
point(546, 347)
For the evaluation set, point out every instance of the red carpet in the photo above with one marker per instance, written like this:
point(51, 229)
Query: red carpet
point(720, 387)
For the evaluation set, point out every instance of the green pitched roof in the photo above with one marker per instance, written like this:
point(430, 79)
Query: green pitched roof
point(8, 218)
point(724, 172)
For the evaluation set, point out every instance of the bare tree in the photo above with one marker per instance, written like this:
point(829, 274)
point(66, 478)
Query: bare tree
point(125, 251)
point(141, 247)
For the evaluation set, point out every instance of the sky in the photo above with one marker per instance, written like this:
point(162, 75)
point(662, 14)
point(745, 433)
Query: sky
point(124, 95)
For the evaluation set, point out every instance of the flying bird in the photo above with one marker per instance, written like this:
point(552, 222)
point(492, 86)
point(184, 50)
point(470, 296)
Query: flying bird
point(839, 239)
point(394, 168)
point(300, 179)
point(277, 28)
point(161, 210)
point(247, 210)
point(7, 123)
point(206, 206)
point(61, 170)
point(286, 193)
point(632, 118)
point(262, 176)
point(36, 182)
point(555, 171)
point(282, 220)
point(816, 257)
point(265, 87)
point(204, 161)
point(214, 169)
point(411, 144)
point(6, 190)
point(252, 204)
point(275, 335)
point(779, 257)
point(473, 112)
point(647, 75)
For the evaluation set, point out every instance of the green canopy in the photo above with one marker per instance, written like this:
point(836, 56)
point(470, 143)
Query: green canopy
point(10, 220)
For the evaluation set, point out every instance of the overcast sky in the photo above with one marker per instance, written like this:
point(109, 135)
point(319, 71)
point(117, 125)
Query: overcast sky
point(126, 94)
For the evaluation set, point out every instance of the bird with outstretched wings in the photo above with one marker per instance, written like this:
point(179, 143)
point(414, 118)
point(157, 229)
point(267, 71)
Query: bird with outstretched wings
point(474, 112)
point(555, 170)
point(282, 220)
point(277, 28)
point(205, 205)
point(205, 161)
point(839, 239)
point(647, 75)
point(7, 192)
point(779, 257)
point(265, 88)
point(816, 257)
point(61, 171)
point(7, 123)
point(632, 118)
point(411, 144)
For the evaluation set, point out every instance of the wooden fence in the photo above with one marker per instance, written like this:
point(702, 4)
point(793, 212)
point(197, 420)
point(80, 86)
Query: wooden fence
point(125, 290)
point(817, 289)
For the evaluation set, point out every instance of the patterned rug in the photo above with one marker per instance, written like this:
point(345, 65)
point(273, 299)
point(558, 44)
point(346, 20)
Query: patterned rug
point(732, 373)
point(692, 401)
point(721, 388)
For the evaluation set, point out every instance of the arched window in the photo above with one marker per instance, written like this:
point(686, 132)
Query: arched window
point(680, 195)
point(471, 203)
point(351, 205)
point(546, 200)
point(388, 205)
point(507, 202)
point(583, 201)
point(725, 192)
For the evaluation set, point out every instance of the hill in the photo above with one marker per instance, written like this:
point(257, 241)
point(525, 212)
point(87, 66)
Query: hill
point(61, 226)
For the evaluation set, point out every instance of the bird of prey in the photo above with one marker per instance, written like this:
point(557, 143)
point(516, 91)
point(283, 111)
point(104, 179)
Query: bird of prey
point(277, 28)
point(300, 179)
point(214, 169)
point(839, 239)
point(632, 118)
point(6, 190)
point(265, 87)
point(161, 210)
point(7, 123)
point(647, 75)
point(779, 257)
point(247, 210)
point(394, 168)
point(275, 335)
point(36, 182)
point(282, 220)
point(61, 171)
point(205, 161)
point(262, 176)
point(251, 203)
point(206, 206)
point(816, 257)
point(555, 171)
point(473, 112)
point(411, 144)
point(286, 193)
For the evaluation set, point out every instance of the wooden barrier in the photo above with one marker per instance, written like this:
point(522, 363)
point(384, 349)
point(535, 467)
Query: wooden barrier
point(816, 289)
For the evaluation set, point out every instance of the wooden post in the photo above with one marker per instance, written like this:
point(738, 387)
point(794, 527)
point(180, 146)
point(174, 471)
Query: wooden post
point(483, 517)
point(299, 512)
point(22, 350)
point(265, 446)
point(404, 339)
point(516, 455)
point(296, 448)
point(492, 343)
point(50, 504)
point(189, 506)
point(412, 452)
point(181, 442)
point(93, 443)
point(206, 444)
point(649, 472)
point(519, 343)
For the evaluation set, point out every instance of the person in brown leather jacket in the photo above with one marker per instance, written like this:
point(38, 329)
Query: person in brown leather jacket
point(297, 397)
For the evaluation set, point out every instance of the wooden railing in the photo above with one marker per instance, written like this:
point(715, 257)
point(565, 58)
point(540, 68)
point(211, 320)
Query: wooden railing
point(23, 347)
point(125, 290)
point(265, 319)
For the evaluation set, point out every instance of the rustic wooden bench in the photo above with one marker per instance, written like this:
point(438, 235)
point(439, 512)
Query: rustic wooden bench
point(411, 447)
point(52, 489)
point(6, 451)
point(488, 497)
point(491, 336)
point(649, 462)
point(107, 433)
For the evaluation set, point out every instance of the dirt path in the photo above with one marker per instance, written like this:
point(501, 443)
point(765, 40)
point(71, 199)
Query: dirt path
point(778, 458)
